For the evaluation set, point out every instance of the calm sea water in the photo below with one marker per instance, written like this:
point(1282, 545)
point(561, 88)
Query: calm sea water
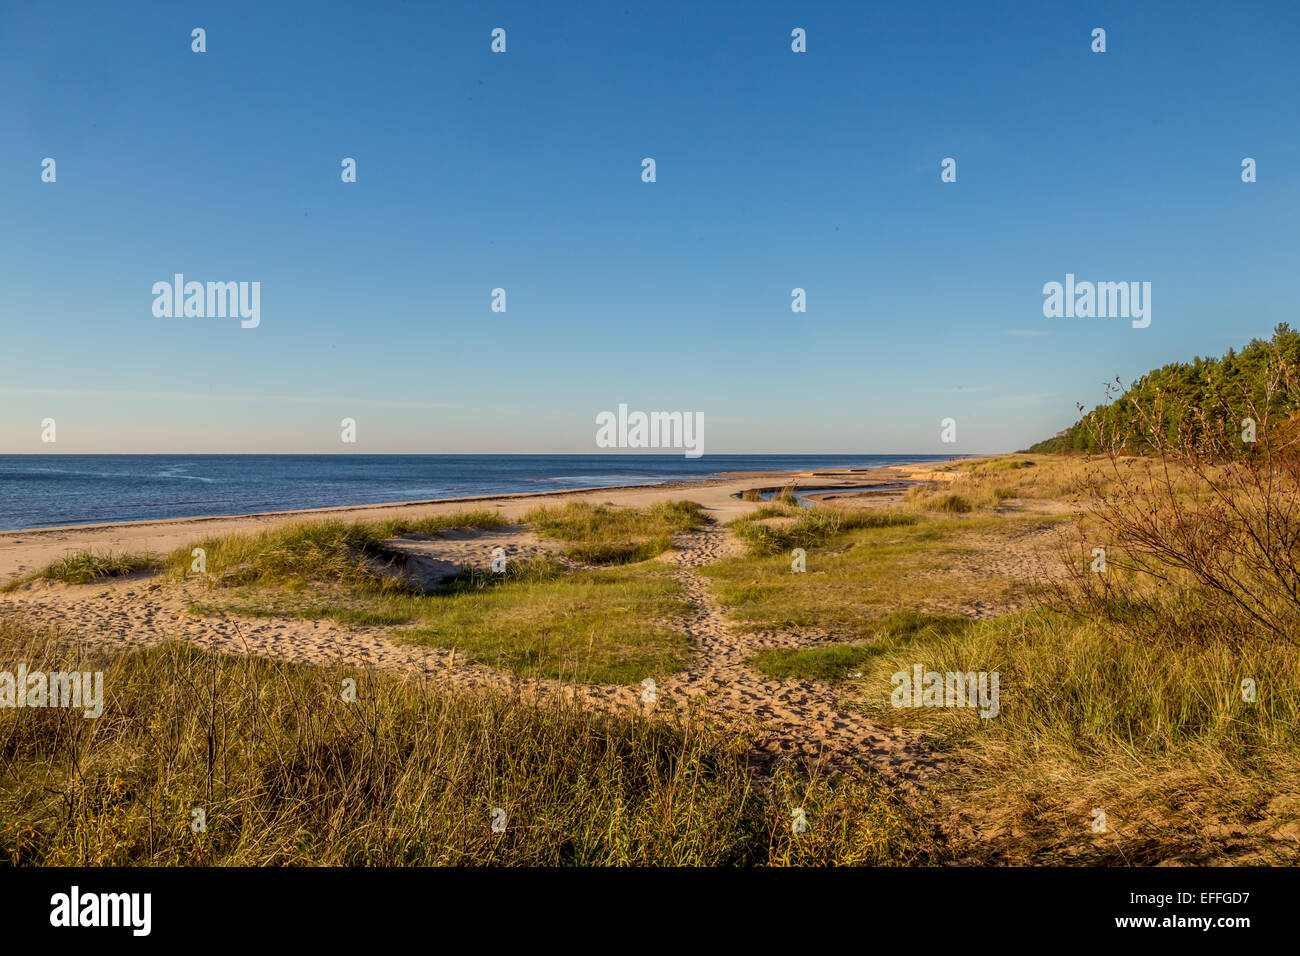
point(43, 490)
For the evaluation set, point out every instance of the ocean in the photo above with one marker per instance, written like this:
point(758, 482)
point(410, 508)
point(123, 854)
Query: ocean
point(45, 490)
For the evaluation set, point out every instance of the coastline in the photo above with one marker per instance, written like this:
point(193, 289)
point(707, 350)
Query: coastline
point(26, 549)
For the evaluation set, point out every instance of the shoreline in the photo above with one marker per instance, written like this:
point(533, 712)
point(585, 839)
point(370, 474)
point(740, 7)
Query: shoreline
point(23, 550)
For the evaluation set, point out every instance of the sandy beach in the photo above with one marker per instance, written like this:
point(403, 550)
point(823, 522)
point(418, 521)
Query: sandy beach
point(24, 551)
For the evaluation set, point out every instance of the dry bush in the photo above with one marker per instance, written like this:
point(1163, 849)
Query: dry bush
point(1205, 531)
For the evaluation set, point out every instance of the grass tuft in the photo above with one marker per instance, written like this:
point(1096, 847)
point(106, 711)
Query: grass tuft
point(84, 567)
point(604, 534)
point(305, 552)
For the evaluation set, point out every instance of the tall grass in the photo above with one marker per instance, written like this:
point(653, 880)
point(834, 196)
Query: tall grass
point(331, 550)
point(1159, 734)
point(606, 534)
point(810, 527)
point(288, 772)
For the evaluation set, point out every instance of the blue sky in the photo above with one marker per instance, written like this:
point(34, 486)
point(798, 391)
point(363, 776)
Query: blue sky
point(522, 170)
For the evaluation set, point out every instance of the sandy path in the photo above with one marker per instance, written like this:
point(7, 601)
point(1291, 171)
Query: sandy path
point(798, 718)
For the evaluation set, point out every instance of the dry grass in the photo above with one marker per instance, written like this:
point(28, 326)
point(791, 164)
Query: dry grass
point(288, 772)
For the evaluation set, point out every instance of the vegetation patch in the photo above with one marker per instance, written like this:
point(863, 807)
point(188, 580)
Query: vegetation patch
point(84, 567)
point(606, 534)
point(302, 553)
point(858, 571)
point(811, 527)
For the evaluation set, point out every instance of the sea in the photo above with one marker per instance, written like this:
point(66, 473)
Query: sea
point(38, 491)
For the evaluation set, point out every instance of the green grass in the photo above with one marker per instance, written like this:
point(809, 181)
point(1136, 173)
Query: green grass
point(289, 773)
point(535, 620)
point(297, 554)
point(829, 662)
point(84, 567)
point(810, 527)
point(605, 625)
point(590, 626)
point(605, 534)
point(856, 576)
point(835, 663)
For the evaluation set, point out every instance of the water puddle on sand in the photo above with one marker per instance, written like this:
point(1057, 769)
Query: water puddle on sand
point(801, 494)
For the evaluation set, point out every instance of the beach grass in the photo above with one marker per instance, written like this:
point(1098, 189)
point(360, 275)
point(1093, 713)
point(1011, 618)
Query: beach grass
point(1156, 733)
point(607, 534)
point(798, 527)
point(204, 759)
point(861, 565)
point(535, 620)
point(1135, 705)
point(302, 552)
point(85, 567)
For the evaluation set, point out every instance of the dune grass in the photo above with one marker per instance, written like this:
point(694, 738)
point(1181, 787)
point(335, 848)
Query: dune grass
point(610, 625)
point(842, 661)
point(288, 772)
point(607, 534)
point(860, 566)
point(537, 619)
point(987, 484)
point(947, 502)
point(1133, 704)
point(970, 496)
point(1156, 733)
point(84, 567)
point(809, 527)
point(295, 555)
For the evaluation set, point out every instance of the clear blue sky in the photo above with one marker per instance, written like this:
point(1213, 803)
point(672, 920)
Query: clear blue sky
point(523, 171)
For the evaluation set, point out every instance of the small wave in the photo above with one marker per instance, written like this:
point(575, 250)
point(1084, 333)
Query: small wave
point(175, 473)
